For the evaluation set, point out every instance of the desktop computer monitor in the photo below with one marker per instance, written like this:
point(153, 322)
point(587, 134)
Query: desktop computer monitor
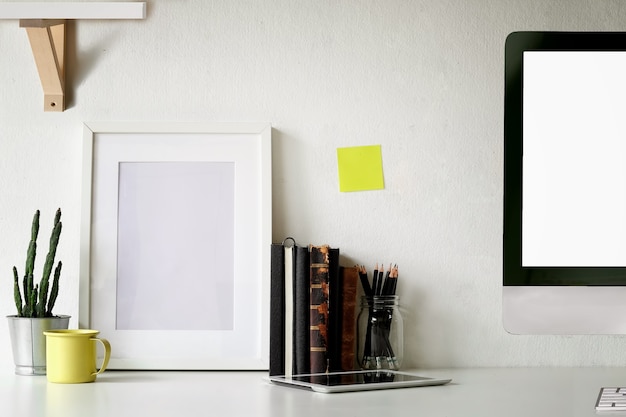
point(564, 257)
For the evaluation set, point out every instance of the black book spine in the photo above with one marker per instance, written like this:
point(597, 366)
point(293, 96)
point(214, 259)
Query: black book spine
point(301, 340)
point(335, 311)
point(277, 310)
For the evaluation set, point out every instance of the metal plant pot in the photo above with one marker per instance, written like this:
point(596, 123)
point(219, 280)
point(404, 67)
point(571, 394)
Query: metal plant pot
point(29, 343)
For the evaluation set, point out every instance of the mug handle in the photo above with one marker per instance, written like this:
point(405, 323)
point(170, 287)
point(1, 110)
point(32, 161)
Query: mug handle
point(107, 354)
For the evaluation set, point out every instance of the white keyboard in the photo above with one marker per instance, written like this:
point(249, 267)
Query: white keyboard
point(611, 399)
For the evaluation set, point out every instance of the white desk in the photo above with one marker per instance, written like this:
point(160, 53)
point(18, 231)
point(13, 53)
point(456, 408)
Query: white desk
point(507, 392)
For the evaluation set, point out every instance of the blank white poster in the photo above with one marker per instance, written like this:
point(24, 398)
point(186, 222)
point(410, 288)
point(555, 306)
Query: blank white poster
point(175, 246)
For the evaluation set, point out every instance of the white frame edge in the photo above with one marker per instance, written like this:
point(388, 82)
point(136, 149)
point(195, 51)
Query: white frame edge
point(265, 132)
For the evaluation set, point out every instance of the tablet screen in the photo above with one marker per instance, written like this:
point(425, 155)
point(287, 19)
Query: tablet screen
point(357, 380)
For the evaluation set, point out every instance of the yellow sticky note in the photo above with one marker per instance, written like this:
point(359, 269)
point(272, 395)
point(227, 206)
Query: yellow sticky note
point(360, 168)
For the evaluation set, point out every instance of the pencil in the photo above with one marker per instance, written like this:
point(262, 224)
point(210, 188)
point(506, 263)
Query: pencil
point(395, 279)
point(375, 281)
point(387, 284)
point(381, 273)
point(367, 290)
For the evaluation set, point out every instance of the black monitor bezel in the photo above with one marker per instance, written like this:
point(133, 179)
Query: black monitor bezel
point(513, 271)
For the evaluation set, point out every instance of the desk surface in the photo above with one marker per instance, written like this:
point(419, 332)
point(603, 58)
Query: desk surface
point(487, 392)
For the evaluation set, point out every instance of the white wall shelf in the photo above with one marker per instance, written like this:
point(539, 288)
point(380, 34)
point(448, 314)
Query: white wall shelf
point(73, 10)
point(45, 25)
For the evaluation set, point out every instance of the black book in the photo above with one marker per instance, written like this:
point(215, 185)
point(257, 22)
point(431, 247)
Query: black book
point(335, 311)
point(301, 311)
point(277, 310)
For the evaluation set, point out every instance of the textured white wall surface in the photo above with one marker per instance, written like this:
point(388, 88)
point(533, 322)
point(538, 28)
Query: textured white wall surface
point(422, 78)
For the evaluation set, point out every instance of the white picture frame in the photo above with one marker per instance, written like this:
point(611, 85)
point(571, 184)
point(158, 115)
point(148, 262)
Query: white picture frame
point(172, 279)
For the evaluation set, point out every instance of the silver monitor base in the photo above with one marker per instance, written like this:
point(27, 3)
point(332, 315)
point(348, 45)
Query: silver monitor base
point(564, 310)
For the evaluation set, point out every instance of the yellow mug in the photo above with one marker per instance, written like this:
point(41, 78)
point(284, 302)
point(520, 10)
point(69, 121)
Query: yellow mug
point(71, 355)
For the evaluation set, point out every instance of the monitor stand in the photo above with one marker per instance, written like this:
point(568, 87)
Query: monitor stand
point(564, 310)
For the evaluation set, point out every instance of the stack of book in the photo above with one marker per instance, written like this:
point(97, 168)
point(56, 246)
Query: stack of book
point(313, 310)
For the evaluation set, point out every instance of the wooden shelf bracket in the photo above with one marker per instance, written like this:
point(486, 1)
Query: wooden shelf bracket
point(47, 40)
point(45, 24)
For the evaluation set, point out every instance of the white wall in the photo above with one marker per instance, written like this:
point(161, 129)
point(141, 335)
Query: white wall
point(422, 78)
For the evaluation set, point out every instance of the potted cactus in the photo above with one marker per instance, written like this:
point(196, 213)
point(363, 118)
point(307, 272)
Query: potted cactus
point(34, 303)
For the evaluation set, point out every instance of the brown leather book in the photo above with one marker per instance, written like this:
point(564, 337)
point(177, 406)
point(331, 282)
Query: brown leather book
point(349, 288)
point(319, 307)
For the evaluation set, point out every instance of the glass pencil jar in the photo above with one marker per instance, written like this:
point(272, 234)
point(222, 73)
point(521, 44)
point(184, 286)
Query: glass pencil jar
point(380, 333)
